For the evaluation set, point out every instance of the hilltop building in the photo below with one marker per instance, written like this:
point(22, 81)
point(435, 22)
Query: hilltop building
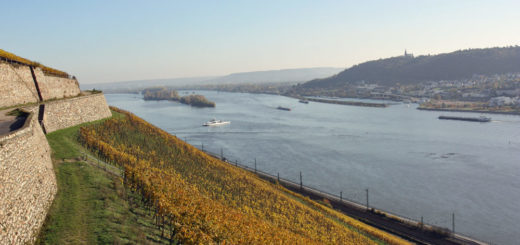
point(406, 54)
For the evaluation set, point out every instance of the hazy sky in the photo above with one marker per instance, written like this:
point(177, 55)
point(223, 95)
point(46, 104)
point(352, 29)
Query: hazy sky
point(106, 41)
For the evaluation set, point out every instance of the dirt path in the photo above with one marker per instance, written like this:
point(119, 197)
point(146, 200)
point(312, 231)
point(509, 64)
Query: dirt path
point(111, 169)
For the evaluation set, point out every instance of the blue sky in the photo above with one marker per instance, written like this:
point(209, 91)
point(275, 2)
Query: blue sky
point(106, 41)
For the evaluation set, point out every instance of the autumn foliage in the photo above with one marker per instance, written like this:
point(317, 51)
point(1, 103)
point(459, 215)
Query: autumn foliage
point(197, 199)
point(47, 70)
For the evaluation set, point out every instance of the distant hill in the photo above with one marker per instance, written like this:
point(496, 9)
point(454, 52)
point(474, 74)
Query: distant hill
point(276, 76)
point(128, 86)
point(255, 77)
point(408, 69)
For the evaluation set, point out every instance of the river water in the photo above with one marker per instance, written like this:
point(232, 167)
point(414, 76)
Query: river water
point(412, 163)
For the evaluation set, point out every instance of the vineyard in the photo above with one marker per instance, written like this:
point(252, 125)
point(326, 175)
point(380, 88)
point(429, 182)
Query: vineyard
point(198, 199)
point(47, 70)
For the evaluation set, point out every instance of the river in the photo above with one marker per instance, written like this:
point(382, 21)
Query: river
point(412, 163)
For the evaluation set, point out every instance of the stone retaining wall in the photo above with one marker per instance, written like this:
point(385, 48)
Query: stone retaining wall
point(70, 112)
point(52, 87)
point(16, 85)
point(27, 183)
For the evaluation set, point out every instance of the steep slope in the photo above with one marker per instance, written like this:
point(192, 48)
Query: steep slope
point(198, 199)
point(409, 69)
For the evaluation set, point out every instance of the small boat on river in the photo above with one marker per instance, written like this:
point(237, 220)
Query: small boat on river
point(304, 101)
point(283, 108)
point(216, 122)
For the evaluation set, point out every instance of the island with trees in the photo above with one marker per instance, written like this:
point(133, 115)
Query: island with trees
point(196, 100)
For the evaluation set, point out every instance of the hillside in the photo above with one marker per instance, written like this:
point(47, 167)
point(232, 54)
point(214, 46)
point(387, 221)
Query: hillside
point(276, 76)
point(92, 206)
point(195, 198)
point(255, 77)
point(408, 69)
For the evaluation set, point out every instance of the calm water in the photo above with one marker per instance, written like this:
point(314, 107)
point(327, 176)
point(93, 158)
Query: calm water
point(412, 163)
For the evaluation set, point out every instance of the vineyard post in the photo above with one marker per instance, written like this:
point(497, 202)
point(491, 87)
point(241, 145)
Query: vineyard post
point(422, 221)
point(278, 174)
point(453, 223)
point(301, 181)
point(367, 198)
point(221, 154)
point(236, 163)
point(341, 196)
point(255, 165)
point(202, 147)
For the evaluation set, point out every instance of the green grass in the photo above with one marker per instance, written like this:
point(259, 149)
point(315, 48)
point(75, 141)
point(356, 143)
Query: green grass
point(64, 143)
point(92, 206)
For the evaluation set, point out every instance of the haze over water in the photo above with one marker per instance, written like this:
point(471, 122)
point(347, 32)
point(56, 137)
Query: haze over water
point(412, 163)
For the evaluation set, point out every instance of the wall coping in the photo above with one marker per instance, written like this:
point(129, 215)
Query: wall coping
point(50, 101)
point(71, 98)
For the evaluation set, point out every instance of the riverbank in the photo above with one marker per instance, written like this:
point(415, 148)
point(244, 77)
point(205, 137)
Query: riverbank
point(342, 102)
point(469, 110)
point(411, 230)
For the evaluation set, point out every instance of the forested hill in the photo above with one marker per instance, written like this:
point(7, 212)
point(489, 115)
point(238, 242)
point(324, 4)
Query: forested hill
point(409, 69)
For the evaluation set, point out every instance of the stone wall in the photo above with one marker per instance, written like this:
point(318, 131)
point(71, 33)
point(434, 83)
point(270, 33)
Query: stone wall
point(16, 85)
point(70, 112)
point(27, 183)
point(52, 87)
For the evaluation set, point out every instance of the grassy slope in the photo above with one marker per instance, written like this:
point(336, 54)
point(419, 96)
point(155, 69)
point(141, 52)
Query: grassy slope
point(91, 206)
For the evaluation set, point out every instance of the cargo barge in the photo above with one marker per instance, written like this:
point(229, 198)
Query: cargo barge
point(470, 119)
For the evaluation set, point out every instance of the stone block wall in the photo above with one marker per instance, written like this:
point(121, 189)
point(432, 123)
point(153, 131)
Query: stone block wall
point(27, 183)
point(70, 112)
point(16, 85)
point(52, 87)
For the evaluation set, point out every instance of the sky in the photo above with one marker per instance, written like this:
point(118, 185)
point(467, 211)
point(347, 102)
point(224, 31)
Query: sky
point(108, 41)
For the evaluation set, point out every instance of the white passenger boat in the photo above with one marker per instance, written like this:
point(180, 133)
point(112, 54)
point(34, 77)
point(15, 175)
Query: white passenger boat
point(216, 122)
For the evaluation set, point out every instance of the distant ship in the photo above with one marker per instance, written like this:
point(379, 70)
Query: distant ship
point(216, 122)
point(470, 119)
point(283, 108)
point(304, 101)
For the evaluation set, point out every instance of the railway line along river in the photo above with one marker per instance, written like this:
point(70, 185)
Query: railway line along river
point(412, 163)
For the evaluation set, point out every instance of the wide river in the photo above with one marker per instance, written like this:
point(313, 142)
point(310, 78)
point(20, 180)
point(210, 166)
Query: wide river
point(412, 163)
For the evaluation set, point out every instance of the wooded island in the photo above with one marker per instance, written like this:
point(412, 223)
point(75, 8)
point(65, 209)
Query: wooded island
point(196, 100)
